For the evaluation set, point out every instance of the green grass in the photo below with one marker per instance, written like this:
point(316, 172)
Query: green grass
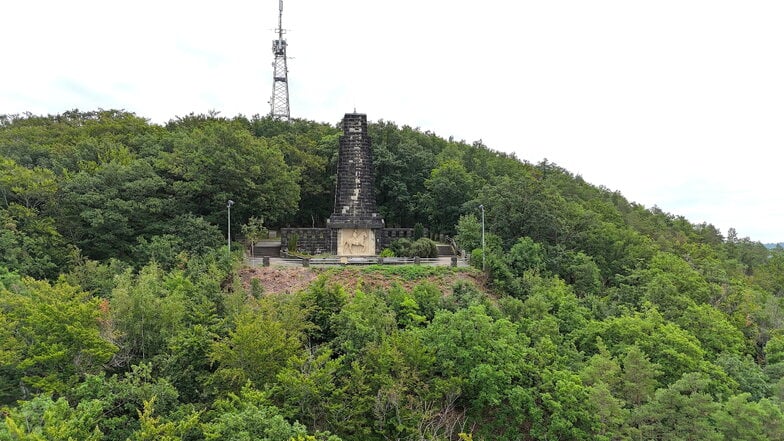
point(412, 272)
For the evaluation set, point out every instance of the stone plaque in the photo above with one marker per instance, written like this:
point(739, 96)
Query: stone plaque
point(356, 242)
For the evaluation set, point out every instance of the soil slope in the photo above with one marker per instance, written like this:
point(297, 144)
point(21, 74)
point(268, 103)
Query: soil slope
point(292, 279)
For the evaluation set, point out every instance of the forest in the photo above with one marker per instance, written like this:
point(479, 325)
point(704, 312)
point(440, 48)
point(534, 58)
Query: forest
point(124, 317)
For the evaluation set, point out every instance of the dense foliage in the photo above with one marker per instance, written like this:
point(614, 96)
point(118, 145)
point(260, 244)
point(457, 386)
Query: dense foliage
point(122, 318)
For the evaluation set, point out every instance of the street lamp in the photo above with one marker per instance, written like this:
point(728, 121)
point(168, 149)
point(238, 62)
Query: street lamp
point(228, 224)
point(482, 207)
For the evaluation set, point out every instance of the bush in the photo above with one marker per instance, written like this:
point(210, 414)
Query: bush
point(401, 247)
point(386, 252)
point(424, 248)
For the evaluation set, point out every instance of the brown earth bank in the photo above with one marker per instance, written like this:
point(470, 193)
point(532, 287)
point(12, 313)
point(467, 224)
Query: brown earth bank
point(369, 278)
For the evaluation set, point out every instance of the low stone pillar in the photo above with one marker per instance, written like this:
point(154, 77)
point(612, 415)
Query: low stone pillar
point(265, 261)
point(416, 260)
point(454, 260)
point(306, 262)
point(381, 260)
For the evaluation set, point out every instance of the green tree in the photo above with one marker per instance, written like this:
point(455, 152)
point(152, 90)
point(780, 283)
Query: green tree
point(152, 428)
point(403, 159)
point(309, 148)
point(521, 206)
point(741, 419)
point(254, 231)
point(770, 275)
point(306, 387)
point(250, 416)
point(215, 161)
point(684, 410)
point(186, 363)
point(103, 211)
point(675, 351)
point(616, 250)
point(602, 368)
point(59, 335)
point(638, 380)
point(146, 313)
point(577, 269)
point(182, 238)
point(43, 419)
point(31, 188)
point(525, 255)
point(610, 412)
point(469, 233)
point(713, 328)
point(30, 243)
point(774, 349)
point(673, 286)
point(449, 187)
point(507, 383)
point(364, 320)
point(749, 375)
point(121, 397)
point(323, 302)
point(265, 334)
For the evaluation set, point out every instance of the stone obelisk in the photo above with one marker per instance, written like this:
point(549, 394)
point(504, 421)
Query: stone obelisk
point(355, 222)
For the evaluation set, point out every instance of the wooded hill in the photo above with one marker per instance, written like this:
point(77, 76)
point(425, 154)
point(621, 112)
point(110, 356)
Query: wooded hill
point(123, 317)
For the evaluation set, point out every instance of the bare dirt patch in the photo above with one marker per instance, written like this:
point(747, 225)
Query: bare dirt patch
point(292, 279)
point(278, 280)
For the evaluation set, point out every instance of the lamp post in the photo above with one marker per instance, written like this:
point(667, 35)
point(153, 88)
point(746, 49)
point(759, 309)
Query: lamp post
point(228, 224)
point(482, 207)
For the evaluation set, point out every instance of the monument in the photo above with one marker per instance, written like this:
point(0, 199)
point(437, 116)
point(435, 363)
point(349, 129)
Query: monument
point(355, 227)
point(355, 220)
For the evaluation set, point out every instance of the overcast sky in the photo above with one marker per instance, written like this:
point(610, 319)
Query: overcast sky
point(678, 104)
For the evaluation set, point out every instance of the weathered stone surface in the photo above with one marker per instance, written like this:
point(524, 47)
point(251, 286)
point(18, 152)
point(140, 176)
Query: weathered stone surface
point(355, 216)
point(355, 204)
point(325, 240)
point(355, 227)
point(305, 240)
point(356, 242)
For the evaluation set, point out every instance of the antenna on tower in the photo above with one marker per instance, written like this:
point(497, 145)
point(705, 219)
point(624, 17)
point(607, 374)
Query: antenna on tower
point(279, 104)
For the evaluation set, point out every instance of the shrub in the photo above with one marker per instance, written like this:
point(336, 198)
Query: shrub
point(386, 252)
point(401, 247)
point(424, 248)
point(293, 243)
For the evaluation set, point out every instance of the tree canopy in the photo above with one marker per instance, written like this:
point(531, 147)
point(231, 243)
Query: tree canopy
point(122, 316)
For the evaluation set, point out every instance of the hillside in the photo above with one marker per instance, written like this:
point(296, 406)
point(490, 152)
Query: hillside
point(288, 280)
point(123, 316)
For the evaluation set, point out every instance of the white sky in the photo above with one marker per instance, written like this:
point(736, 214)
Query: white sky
point(676, 103)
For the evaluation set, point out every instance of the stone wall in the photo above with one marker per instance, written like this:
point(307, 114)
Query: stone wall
point(389, 235)
point(325, 240)
point(306, 240)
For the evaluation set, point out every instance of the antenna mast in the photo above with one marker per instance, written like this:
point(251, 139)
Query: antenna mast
point(279, 104)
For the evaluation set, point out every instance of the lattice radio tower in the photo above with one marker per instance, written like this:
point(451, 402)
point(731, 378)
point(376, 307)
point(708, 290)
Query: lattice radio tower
point(279, 104)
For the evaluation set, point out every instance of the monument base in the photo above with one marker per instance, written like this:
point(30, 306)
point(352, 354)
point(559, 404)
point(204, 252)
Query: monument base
point(325, 240)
